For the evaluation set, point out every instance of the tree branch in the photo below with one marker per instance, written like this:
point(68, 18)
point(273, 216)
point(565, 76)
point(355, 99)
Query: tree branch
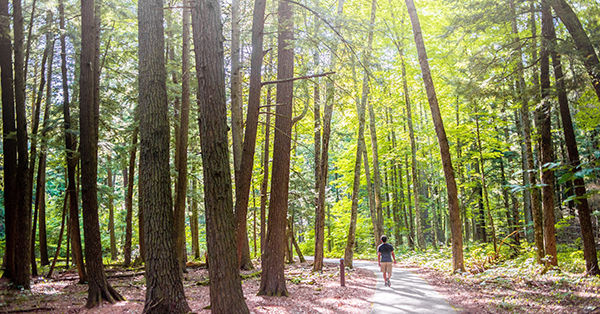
point(296, 78)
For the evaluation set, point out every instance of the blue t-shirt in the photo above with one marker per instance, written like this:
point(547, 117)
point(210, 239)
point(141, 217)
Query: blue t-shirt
point(386, 252)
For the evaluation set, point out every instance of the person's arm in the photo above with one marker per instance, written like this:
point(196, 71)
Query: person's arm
point(379, 259)
point(394, 256)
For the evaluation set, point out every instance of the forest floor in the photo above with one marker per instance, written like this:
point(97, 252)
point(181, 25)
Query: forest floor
point(310, 292)
point(504, 293)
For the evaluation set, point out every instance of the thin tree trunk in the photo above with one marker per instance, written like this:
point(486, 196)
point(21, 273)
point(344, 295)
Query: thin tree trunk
point(42, 165)
point(182, 144)
point(583, 209)
point(265, 182)
point(237, 125)
point(194, 222)
point(272, 281)
point(111, 211)
point(243, 178)
point(22, 255)
point(129, 199)
point(226, 295)
point(547, 151)
point(457, 245)
point(322, 149)
point(484, 186)
point(413, 149)
point(9, 142)
point(98, 287)
point(60, 236)
point(71, 148)
point(376, 172)
point(526, 124)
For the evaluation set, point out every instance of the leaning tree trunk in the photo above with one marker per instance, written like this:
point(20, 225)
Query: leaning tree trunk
point(547, 150)
point(98, 287)
point(582, 41)
point(583, 209)
point(226, 295)
point(376, 172)
point(73, 231)
point(272, 281)
point(23, 215)
point(455, 225)
point(243, 178)
point(9, 143)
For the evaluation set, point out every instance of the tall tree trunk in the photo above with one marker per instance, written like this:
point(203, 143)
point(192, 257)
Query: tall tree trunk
point(129, 198)
point(23, 215)
point(484, 185)
point(226, 294)
point(71, 148)
point(34, 137)
point(322, 181)
point(272, 281)
point(194, 222)
point(237, 125)
point(455, 225)
point(526, 125)
point(265, 181)
point(413, 149)
point(376, 172)
point(547, 151)
point(182, 144)
point(111, 211)
point(583, 209)
point(60, 235)
point(9, 142)
point(243, 177)
point(43, 157)
point(98, 287)
point(164, 287)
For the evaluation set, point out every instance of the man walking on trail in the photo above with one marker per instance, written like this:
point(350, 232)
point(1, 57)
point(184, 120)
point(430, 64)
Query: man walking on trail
point(385, 252)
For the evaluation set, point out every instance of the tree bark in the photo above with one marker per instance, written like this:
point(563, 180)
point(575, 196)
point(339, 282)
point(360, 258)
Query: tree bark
point(129, 198)
point(60, 236)
point(237, 125)
point(111, 211)
point(226, 294)
point(484, 186)
point(526, 124)
point(583, 209)
point(43, 157)
point(182, 144)
point(40, 191)
point(582, 41)
point(547, 151)
point(9, 141)
point(455, 225)
point(194, 222)
point(243, 178)
point(98, 287)
point(265, 182)
point(164, 287)
point(74, 232)
point(272, 281)
point(23, 215)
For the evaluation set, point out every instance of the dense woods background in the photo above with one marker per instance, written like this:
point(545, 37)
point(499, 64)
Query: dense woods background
point(344, 121)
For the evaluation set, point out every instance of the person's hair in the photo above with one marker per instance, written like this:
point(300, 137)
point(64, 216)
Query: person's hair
point(383, 239)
